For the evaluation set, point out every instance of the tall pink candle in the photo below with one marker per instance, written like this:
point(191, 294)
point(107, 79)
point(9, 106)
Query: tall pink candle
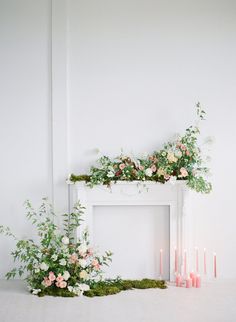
point(161, 262)
point(214, 264)
point(205, 269)
point(185, 262)
point(176, 260)
point(196, 250)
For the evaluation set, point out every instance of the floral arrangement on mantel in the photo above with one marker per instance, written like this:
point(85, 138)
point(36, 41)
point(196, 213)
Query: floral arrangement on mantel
point(179, 159)
point(59, 264)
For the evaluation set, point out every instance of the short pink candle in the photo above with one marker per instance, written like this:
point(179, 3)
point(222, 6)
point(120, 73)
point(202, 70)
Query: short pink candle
point(188, 282)
point(178, 280)
point(198, 281)
point(193, 278)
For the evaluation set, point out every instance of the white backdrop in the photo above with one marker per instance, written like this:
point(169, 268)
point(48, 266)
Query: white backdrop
point(82, 75)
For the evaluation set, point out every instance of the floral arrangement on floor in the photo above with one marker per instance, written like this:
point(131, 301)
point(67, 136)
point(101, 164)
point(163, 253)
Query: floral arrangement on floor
point(59, 264)
point(179, 159)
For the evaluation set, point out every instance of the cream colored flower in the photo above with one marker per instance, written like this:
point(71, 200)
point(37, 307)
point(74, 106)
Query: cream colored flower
point(171, 157)
point(161, 172)
point(83, 274)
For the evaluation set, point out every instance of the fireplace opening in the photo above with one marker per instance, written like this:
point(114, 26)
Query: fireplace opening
point(135, 234)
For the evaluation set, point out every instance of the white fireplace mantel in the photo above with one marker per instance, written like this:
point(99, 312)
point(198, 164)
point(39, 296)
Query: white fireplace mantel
point(175, 196)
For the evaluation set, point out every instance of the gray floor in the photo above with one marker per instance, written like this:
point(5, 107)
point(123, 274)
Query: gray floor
point(214, 302)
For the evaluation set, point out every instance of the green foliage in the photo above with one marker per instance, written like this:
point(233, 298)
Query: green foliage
point(58, 263)
point(109, 287)
point(180, 159)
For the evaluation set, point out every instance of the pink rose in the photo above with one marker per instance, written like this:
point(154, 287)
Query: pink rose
point(154, 168)
point(183, 172)
point(61, 284)
point(183, 147)
point(90, 251)
point(122, 166)
point(73, 258)
point(59, 278)
point(167, 176)
point(51, 276)
point(96, 264)
point(141, 167)
point(46, 282)
point(187, 153)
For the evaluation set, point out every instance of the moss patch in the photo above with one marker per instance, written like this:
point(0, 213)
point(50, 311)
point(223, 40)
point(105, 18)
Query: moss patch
point(107, 287)
point(55, 291)
point(113, 287)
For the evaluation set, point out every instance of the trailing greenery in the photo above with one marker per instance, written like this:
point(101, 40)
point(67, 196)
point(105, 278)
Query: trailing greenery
point(180, 159)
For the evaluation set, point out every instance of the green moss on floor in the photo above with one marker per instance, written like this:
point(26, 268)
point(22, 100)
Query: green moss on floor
point(113, 287)
point(107, 287)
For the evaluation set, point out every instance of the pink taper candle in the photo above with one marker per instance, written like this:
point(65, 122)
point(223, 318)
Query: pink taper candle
point(161, 262)
point(214, 264)
point(176, 260)
point(196, 250)
point(205, 267)
point(185, 262)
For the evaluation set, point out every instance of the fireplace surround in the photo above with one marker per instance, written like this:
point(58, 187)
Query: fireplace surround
point(122, 193)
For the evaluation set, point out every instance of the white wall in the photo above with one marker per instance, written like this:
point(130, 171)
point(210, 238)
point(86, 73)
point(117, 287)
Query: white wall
point(135, 70)
point(25, 163)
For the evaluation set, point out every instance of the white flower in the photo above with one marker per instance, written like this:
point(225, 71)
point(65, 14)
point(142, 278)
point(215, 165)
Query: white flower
point(178, 154)
point(70, 289)
point(82, 263)
point(110, 174)
point(37, 270)
point(54, 257)
point(36, 291)
point(62, 262)
point(148, 172)
point(82, 249)
point(65, 240)
point(66, 275)
point(84, 287)
point(173, 179)
point(43, 266)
